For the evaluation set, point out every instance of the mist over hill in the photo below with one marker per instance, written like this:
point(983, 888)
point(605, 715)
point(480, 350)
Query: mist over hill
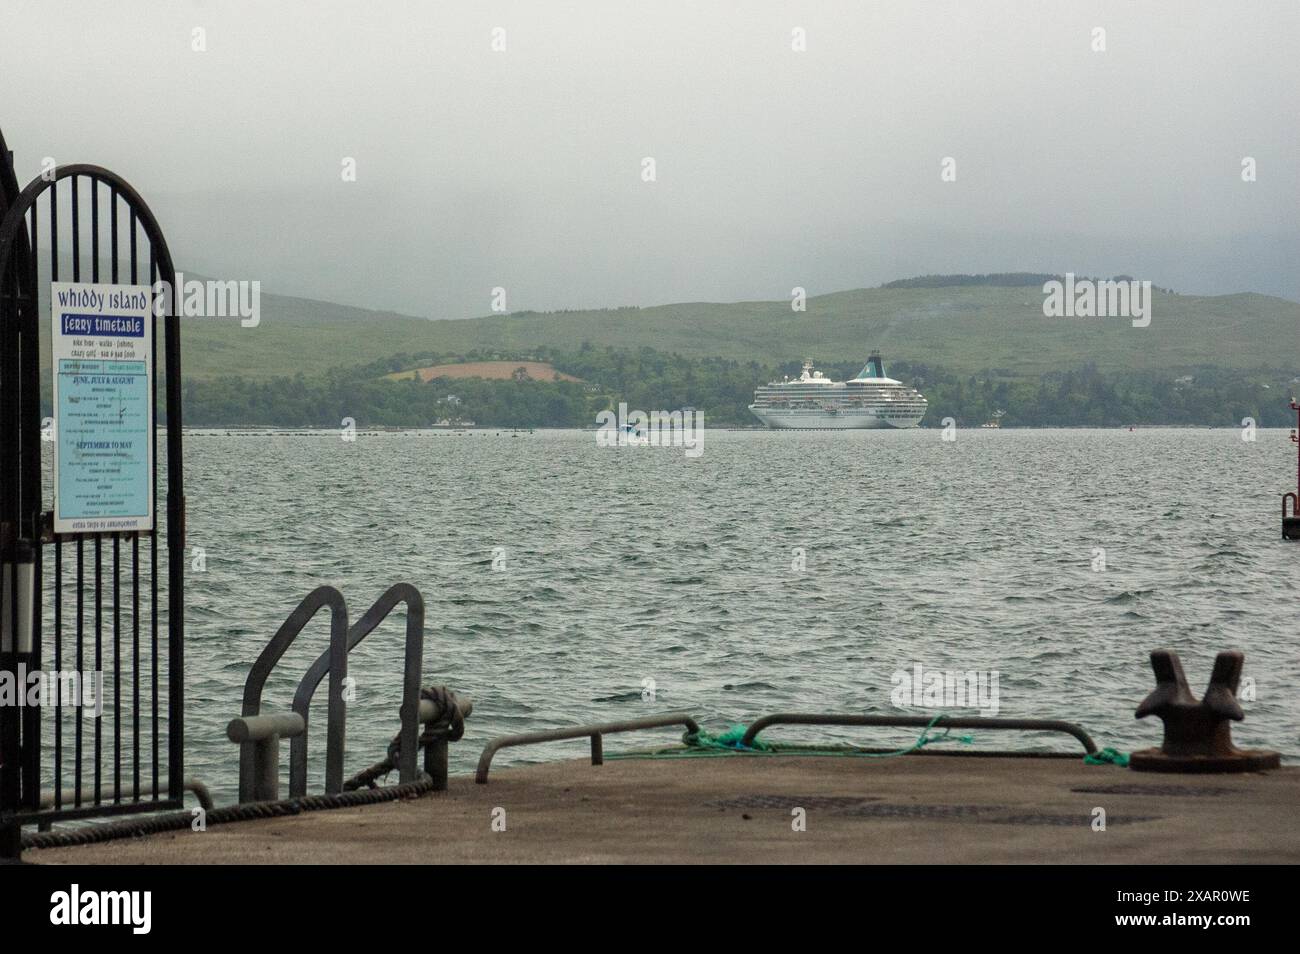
point(978, 346)
point(965, 328)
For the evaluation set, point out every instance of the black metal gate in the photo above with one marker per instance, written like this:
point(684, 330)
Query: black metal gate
point(83, 603)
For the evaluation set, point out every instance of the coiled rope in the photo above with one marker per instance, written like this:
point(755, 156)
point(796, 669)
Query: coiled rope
point(448, 722)
point(360, 789)
point(1107, 756)
point(177, 821)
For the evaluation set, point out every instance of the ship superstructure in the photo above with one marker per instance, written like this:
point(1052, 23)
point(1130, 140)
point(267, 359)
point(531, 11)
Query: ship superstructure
point(813, 401)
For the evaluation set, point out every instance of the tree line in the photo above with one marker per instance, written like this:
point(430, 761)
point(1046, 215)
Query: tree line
point(722, 388)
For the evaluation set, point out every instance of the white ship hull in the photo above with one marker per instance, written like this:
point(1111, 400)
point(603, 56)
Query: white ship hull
point(813, 401)
point(841, 420)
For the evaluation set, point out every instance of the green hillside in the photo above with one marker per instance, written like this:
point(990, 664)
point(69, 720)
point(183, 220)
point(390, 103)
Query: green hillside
point(963, 329)
point(978, 347)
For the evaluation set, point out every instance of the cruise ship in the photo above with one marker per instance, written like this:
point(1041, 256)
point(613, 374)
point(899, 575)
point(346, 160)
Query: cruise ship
point(814, 401)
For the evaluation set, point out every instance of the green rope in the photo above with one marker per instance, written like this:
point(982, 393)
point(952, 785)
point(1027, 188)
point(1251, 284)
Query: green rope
point(703, 744)
point(921, 742)
point(731, 740)
point(1106, 757)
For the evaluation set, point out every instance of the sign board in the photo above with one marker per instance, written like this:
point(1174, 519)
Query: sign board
point(102, 357)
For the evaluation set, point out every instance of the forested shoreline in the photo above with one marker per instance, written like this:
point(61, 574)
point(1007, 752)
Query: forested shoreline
point(723, 389)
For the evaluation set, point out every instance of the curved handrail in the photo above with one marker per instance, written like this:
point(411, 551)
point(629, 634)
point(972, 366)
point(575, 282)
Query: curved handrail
point(410, 711)
point(577, 732)
point(941, 722)
point(314, 601)
point(10, 231)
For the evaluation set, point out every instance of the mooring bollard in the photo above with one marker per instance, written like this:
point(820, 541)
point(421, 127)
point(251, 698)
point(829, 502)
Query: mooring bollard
point(261, 734)
point(443, 715)
point(1198, 732)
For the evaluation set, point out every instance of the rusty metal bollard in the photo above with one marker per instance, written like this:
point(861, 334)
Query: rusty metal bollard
point(1198, 732)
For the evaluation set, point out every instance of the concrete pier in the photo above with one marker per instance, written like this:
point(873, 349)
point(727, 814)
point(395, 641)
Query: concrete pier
point(912, 809)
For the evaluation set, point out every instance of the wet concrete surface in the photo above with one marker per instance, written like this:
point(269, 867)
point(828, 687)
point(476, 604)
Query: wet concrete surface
point(901, 810)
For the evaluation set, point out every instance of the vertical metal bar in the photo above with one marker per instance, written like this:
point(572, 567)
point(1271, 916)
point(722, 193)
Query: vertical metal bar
point(58, 547)
point(112, 229)
point(29, 448)
point(58, 668)
point(435, 761)
point(75, 185)
point(99, 634)
point(81, 666)
point(76, 228)
point(10, 737)
point(135, 668)
point(54, 233)
point(153, 537)
point(99, 659)
point(59, 718)
point(175, 561)
point(411, 686)
point(8, 391)
point(117, 668)
point(117, 588)
point(10, 732)
point(135, 597)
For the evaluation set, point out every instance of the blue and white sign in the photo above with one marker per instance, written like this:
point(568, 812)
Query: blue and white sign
point(102, 355)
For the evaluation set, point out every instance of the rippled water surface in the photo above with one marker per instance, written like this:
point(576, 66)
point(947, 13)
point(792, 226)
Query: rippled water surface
point(622, 565)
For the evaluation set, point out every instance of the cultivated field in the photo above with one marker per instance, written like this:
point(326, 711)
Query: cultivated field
point(491, 370)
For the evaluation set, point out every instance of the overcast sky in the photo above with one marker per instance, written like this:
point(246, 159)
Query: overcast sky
point(775, 168)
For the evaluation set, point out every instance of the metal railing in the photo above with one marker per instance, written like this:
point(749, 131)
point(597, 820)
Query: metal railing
point(439, 710)
point(942, 722)
point(398, 593)
point(595, 732)
point(260, 743)
point(192, 785)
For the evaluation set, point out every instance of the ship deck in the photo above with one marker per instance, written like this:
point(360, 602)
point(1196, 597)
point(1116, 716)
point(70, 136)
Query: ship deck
point(914, 809)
